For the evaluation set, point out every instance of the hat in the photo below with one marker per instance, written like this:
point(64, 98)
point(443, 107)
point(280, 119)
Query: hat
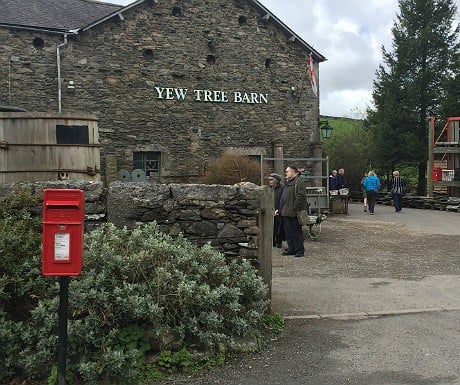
point(274, 176)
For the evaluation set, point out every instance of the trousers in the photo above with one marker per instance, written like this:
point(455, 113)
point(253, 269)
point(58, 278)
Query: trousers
point(278, 230)
point(371, 198)
point(397, 201)
point(294, 235)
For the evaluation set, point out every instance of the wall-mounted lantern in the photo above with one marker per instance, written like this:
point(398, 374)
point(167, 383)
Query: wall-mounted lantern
point(326, 130)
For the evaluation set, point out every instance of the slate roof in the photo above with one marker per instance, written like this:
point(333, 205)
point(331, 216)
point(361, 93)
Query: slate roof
point(54, 15)
point(71, 16)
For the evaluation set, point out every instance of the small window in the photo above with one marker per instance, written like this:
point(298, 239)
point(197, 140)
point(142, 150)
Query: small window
point(176, 11)
point(149, 162)
point(256, 158)
point(72, 134)
point(148, 53)
point(268, 62)
point(211, 59)
point(242, 20)
point(38, 42)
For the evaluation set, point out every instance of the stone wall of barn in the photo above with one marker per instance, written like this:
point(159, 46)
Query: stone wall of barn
point(189, 80)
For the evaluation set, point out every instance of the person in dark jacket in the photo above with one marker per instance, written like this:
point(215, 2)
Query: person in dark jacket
point(278, 231)
point(397, 188)
point(293, 199)
point(341, 183)
point(333, 180)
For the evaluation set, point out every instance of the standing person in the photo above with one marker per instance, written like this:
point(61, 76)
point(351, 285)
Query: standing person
point(333, 180)
point(278, 231)
point(342, 184)
point(372, 185)
point(364, 192)
point(341, 179)
point(293, 199)
point(397, 188)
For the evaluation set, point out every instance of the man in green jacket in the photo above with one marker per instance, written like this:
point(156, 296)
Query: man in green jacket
point(293, 199)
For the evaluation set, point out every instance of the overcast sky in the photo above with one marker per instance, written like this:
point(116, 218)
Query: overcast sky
point(350, 35)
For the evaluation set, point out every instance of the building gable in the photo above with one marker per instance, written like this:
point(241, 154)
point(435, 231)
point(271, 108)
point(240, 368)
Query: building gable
point(174, 84)
point(73, 16)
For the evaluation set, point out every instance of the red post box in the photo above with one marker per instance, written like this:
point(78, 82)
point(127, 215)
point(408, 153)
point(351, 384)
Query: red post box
point(63, 223)
point(437, 174)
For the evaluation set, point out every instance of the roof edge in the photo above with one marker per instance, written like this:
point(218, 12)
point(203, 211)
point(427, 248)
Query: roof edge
point(317, 56)
point(119, 12)
point(294, 36)
point(41, 29)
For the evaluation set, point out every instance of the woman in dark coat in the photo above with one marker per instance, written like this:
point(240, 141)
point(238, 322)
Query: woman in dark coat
point(278, 230)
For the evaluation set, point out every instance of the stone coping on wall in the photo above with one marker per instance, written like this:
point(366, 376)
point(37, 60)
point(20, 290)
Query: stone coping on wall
point(226, 216)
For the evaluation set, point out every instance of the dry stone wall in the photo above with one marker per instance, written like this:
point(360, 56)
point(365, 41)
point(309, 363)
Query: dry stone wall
point(227, 217)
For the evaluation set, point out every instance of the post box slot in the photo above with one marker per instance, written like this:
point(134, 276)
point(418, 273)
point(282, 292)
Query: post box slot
point(64, 205)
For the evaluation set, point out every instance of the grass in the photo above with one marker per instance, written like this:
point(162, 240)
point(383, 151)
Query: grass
point(341, 125)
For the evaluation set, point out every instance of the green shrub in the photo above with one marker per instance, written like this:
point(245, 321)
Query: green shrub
point(21, 285)
point(172, 362)
point(141, 292)
point(20, 240)
point(274, 322)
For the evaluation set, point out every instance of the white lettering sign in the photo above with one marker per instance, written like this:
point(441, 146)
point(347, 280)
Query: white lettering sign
point(171, 93)
point(211, 96)
point(61, 246)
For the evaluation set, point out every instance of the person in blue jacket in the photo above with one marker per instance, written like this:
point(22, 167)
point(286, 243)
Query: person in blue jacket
point(372, 185)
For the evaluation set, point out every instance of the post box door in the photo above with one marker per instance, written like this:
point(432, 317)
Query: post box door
point(63, 226)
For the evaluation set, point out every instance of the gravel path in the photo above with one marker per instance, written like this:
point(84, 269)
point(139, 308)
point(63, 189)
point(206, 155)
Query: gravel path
point(360, 263)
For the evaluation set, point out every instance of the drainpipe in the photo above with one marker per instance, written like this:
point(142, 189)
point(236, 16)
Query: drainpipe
point(58, 61)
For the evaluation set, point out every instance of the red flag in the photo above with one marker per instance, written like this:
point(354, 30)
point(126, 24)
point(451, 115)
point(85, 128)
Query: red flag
point(311, 70)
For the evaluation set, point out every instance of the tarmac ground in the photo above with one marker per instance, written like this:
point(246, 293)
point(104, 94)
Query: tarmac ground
point(375, 301)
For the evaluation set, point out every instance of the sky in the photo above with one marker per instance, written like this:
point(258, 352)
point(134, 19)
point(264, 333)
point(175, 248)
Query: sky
point(350, 35)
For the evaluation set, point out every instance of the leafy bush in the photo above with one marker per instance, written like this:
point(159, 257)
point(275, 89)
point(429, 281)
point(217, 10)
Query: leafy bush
point(232, 168)
point(20, 281)
point(179, 294)
point(274, 322)
point(141, 292)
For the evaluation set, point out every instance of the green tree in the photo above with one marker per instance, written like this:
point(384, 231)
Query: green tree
point(412, 82)
point(450, 105)
point(352, 150)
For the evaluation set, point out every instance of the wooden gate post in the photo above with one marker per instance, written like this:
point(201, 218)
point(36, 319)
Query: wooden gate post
point(265, 238)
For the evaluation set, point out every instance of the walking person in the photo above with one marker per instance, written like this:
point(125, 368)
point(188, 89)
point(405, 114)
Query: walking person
point(278, 231)
point(293, 199)
point(397, 188)
point(364, 192)
point(372, 185)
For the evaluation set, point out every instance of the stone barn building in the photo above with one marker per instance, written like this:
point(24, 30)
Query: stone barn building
point(173, 84)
